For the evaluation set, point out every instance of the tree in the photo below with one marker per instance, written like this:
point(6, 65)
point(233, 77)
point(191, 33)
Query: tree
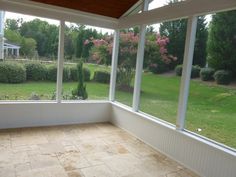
point(221, 43)
point(13, 24)
point(45, 34)
point(176, 32)
point(80, 92)
point(28, 47)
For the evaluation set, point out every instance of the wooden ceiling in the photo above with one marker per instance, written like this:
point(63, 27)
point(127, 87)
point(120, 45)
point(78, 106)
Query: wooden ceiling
point(110, 8)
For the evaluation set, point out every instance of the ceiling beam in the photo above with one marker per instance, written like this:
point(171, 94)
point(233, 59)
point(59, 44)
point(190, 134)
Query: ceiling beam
point(58, 13)
point(175, 11)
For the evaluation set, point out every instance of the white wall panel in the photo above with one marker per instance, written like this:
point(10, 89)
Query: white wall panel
point(32, 114)
point(205, 158)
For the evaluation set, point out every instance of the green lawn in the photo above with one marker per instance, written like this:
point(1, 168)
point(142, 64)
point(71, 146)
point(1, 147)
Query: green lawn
point(210, 108)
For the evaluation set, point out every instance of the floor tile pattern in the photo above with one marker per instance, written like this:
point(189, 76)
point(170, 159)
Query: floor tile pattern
point(89, 150)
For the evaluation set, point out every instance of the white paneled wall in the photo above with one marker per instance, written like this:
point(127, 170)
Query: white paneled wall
point(205, 158)
point(32, 114)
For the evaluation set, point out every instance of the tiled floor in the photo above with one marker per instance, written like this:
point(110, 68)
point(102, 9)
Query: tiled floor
point(91, 150)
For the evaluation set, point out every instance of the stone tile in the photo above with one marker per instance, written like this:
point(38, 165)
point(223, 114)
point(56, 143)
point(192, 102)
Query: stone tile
point(123, 164)
point(98, 171)
point(96, 150)
point(75, 173)
point(72, 160)
point(54, 171)
point(43, 161)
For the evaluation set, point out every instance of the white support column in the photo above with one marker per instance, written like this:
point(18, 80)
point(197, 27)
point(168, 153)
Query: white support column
point(115, 53)
point(17, 52)
point(187, 68)
point(2, 14)
point(139, 62)
point(60, 61)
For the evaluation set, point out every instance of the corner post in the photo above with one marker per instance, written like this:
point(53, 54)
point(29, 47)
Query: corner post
point(60, 61)
point(186, 73)
point(115, 53)
point(139, 63)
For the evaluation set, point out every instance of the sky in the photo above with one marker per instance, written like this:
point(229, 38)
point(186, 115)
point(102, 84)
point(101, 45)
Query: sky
point(154, 4)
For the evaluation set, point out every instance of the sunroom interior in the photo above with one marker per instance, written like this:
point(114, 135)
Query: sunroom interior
point(104, 137)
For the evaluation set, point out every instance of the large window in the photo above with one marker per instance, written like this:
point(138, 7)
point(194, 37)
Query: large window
point(90, 47)
point(30, 49)
point(126, 65)
point(212, 99)
point(163, 60)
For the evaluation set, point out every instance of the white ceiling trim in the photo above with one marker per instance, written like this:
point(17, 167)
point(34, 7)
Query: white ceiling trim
point(175, 11)
point(178, 10)
point(58, 13)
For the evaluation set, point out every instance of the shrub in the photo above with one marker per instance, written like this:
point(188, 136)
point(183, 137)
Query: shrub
point(178, 70)
point(35, 71)
point(223, 77)
point(66, 74)
point(52, 73)
point(159, 68)
point(12, 73)
point(87, 74)
point(207, 74)
point(80, 92)
point(101, 76)
point(74, 74)
point(195, 71)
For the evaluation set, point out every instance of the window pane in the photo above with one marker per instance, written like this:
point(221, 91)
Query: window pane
point(91, 47)
point(164, 52)
point(126, 65)
point(211, 106)
point(30, 49)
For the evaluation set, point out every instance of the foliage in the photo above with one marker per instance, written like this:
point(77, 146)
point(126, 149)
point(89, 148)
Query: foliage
point(222, 41)
point(12, 73)
point(101, 76)
point(223, 77)
point(52, 73)
point(74, 74)
point(176, 32)
point(156, 55)
point(35, 71)
point(28, 45)
point(195, 71)
point(45, 34)
point(34, 96)
point(80, 92)
point(178, 70)
point(207, 74)
point(66, 74)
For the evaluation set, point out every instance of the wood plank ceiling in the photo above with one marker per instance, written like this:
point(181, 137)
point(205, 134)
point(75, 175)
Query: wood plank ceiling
point(110, 8)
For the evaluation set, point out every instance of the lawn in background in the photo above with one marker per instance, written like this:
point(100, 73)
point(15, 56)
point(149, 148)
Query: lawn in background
point(211, 109)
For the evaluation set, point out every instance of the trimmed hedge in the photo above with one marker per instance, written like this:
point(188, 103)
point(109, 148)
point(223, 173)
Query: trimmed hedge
point(35, 71)
point(178, 70)
point(195, 73)
point(223, 77)
point(66, 74)
point(74, 74)
point(207, 74)
point(12, 72)
point(101, 76)
point(52, 73)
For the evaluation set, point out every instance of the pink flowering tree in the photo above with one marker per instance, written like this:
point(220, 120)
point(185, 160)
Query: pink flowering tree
point(156, 55)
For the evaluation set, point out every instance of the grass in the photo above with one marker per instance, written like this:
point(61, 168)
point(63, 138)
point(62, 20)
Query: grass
point(211, 109)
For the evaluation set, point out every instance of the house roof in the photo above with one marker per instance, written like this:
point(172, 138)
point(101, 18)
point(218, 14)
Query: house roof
point(109, 8)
